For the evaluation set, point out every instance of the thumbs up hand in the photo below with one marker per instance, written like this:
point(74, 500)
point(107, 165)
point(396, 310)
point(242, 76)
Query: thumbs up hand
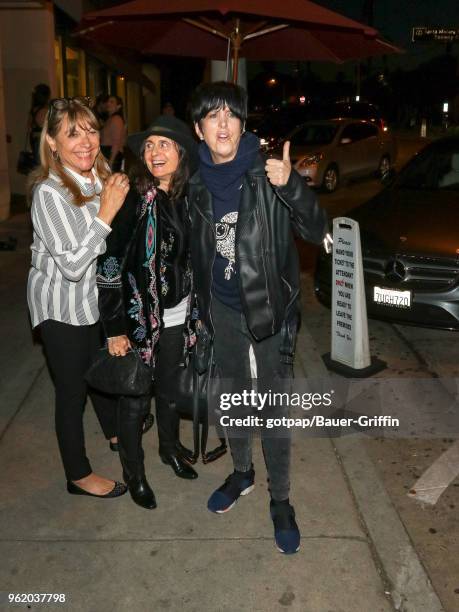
point(278, 170)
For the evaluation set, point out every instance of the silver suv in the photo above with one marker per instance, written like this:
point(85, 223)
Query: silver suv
point(326, 152)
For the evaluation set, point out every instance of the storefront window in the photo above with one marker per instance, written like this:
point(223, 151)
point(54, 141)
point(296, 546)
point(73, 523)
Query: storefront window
point(121, 89)
point(59, 67)
point(76, 72)
point(97, 78)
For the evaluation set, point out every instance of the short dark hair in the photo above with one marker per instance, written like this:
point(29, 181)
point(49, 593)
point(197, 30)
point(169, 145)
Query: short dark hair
point(40, 95)
point(213, 96)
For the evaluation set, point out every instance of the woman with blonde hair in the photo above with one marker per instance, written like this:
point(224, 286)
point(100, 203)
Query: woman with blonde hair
point(74, 201)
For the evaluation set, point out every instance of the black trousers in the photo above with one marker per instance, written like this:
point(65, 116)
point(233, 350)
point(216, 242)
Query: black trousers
point(131, 414)
point(69, 350)
point(170, 353)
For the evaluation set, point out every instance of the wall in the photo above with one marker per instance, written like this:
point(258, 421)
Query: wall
point(134, 123)
point(218, 72)
point(4, 178)
point(152, 103)
point(73, 8)
point(27, 45)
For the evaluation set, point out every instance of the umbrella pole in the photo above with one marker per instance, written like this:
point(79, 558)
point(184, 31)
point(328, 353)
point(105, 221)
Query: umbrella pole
point(235, 64)
point(228, 60)
point(236, 41)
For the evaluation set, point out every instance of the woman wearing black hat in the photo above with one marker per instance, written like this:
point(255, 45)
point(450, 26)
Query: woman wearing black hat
point(144, 281)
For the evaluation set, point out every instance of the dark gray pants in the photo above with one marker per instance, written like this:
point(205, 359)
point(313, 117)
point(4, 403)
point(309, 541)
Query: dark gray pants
point(231, 354)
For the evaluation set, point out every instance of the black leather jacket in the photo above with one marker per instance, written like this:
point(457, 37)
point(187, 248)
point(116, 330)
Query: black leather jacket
point(265, 251)
point(132, 295)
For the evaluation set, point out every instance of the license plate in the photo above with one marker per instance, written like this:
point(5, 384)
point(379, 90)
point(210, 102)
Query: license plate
point(392, 297)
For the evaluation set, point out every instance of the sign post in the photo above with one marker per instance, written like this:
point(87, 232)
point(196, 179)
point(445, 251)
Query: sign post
point(424, 128)
point(350, 349)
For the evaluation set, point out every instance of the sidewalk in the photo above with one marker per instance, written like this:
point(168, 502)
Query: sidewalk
point(112, 555)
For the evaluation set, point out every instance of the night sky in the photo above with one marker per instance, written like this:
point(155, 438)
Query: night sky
point(395, 18)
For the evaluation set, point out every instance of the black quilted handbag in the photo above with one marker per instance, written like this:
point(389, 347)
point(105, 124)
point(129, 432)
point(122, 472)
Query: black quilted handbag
point(127, 375)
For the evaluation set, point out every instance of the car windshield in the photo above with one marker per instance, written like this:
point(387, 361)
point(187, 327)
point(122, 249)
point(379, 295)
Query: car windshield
point(275, 125)
point(314, 134)
point(362, 111)
point(433, 170)
point(254, 121)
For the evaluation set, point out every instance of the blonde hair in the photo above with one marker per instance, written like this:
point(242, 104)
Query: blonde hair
point(78, 114)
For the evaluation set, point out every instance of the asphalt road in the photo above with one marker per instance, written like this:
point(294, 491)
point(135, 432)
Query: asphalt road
point(421, 475)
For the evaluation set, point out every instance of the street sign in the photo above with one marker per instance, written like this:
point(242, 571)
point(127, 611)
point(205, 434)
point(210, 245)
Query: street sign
point(349, 313)
point(424, 34)
point(350, 350)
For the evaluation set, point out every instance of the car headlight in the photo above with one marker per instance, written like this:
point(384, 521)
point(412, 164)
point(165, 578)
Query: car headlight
point(310, 160)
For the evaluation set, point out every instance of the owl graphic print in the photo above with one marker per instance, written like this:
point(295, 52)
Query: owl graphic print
point(225, 231)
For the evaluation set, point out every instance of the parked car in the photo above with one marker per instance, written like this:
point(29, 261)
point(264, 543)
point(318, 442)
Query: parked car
point(410, 243)
point(273, 126)
point(327, 152)
point(360, 110)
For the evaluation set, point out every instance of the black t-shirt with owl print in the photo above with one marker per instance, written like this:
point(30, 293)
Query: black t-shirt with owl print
point(224, 181)
point(225, 286)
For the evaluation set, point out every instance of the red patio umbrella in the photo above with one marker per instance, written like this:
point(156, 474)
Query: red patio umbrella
point(259, 30)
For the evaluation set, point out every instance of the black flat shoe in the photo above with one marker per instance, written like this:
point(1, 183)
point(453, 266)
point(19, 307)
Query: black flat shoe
point(141, 492)
point(181, 467)
point(114, 446)
point(118, 489)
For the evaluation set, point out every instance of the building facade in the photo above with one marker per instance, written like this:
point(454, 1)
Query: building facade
point(38, 45)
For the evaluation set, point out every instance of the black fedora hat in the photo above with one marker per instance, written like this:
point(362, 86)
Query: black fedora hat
point(170, 127)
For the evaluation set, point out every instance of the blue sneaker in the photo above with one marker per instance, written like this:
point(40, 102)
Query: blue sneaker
point(237, 484)
point(286, 532)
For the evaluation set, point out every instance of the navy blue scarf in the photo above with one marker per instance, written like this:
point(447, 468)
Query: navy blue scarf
point(224, 180)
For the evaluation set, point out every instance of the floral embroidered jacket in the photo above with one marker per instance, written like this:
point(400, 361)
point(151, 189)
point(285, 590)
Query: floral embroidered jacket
point(145, 269)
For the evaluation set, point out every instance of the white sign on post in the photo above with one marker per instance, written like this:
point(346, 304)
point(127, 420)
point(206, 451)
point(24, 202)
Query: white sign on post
point(350, 345)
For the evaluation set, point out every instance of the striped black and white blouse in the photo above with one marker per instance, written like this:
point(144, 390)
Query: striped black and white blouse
point(67, 240)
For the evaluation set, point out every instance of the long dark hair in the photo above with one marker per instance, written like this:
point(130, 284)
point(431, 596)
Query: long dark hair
point(144, 180)
point(40, 96)
point(119, 101)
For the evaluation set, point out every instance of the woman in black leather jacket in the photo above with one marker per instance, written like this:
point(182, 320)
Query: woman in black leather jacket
point(244, 212)
point(144, 281)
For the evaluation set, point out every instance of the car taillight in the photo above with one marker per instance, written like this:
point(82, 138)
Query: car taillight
point(311, 159)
